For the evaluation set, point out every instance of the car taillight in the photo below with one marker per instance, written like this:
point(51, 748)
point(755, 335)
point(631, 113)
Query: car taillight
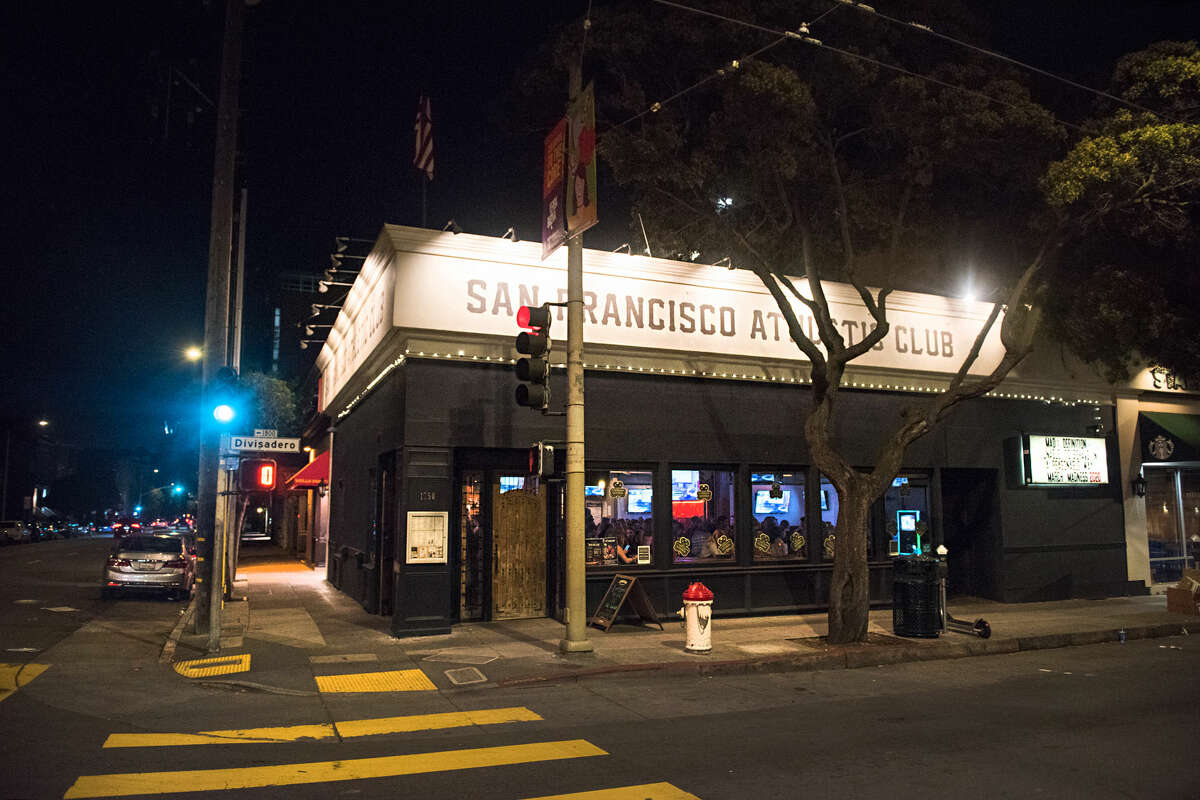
point(118, 562)
point(176, 563)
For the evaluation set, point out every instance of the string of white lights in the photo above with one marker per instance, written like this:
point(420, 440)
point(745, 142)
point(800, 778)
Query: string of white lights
point(764, 377)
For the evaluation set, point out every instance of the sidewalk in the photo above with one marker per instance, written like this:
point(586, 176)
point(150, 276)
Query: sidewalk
point(296, 627)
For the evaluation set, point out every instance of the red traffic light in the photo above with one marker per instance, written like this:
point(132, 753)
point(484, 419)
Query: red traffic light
point(258, 475)
point(535, 317)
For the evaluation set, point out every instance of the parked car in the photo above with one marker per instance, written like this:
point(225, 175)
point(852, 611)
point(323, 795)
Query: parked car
point(149, 562)
point(14, 531)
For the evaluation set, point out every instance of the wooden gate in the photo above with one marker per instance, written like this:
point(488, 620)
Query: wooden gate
point(518, 553)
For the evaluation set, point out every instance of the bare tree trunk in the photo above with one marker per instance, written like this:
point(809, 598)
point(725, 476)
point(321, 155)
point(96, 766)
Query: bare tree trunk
point(850, 589)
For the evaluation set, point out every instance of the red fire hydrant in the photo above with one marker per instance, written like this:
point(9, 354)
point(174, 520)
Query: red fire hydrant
point(697, 613)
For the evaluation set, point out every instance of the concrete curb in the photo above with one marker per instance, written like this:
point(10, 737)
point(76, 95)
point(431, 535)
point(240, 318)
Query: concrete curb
point(168, 650)
point(858, 656)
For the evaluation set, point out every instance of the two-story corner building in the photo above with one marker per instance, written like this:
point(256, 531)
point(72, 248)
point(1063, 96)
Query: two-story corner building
point(697, 466)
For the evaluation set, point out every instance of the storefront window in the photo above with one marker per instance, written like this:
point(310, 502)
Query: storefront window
point(906, 515)
point(829, 516)
point(471, 547)
point(1163, 525)
point(777, 499)
point(1189, 484)
point(702, 515)
point(620, 521)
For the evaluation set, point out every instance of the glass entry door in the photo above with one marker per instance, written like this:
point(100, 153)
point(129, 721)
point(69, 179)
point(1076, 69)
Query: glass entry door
point(1172, 517)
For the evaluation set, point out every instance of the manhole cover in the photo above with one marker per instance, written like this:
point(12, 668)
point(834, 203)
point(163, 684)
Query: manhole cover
point(465, 675)
point(460, 658)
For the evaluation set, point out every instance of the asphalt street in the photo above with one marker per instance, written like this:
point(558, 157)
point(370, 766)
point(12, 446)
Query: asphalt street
point(105, 720)
point(50, 589)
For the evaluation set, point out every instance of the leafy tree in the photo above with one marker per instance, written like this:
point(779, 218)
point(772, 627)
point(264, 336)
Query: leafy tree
point(804, 164)
point(1125, 295)
point(273, 403)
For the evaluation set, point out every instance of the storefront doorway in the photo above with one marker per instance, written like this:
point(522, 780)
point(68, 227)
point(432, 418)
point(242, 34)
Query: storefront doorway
point(1172, 518)
point(519, 549)
point(502, 544)
point(971, 532)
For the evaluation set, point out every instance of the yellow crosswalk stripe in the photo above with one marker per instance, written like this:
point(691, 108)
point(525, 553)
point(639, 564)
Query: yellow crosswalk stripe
point(211, 780)
point(429, 722)
point(645, 791)
point(347, 730)
point(397, 680)
point(291, 733)
point(14, 676)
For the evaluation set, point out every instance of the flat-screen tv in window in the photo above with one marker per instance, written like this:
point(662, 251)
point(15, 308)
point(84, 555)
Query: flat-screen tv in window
point(593, 491)
point(765, 504)
point(685, 483)
point(639, 499)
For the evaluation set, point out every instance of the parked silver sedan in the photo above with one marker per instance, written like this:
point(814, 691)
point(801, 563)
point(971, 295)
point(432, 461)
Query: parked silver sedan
point(148, 562)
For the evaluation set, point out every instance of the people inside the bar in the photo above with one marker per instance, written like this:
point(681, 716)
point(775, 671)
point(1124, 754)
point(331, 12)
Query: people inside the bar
point(626, 546)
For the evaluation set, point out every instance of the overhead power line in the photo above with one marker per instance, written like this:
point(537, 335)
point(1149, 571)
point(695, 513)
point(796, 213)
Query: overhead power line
point(925, 29)
point(802, 35)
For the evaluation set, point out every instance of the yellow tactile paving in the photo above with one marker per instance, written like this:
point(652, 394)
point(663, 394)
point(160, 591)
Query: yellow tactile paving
point(347, 730)
point(208, 667)
point(211, 780)
point(645, 791)
point(14, 676)
point(397, 680)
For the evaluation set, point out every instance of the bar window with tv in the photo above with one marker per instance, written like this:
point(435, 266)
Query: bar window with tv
point(778, 503)
point(619, 526)
point(702, 515)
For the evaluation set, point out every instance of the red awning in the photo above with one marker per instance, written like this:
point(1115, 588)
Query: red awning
point(312, 474)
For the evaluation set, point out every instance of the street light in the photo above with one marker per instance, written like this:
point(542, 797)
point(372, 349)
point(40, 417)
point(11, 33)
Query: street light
point(193, 353)
point(41, 423)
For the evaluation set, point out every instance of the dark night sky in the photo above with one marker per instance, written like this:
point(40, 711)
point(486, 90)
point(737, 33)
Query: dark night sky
point(107, 242)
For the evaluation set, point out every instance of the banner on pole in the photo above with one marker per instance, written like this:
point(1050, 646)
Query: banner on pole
point(581, 163)
point(554, 219)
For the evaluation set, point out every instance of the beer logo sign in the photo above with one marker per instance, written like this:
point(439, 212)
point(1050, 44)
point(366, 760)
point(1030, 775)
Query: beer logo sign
point(796, 540)
point(829, 540)
point(704, 492)
point(616, 489)
point(1161, 447)
point(762, 543)
point(724, 545)
point(682, 547)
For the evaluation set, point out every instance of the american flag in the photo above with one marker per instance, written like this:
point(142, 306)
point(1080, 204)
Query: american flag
point(423, 133)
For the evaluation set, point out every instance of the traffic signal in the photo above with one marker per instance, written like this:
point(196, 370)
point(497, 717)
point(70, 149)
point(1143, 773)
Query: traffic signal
point(541, 459)
point(258, 474)
point(224, 396)
point(535, 370)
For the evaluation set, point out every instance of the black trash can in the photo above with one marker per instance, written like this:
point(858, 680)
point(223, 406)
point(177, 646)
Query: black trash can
point(916, 598)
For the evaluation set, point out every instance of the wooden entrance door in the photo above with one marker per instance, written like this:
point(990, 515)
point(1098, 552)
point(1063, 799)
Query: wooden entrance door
point(518, 550)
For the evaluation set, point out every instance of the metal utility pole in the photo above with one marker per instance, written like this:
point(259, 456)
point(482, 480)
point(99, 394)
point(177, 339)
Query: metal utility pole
point(576, 639)
point(209, 589)
point(236, 355)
